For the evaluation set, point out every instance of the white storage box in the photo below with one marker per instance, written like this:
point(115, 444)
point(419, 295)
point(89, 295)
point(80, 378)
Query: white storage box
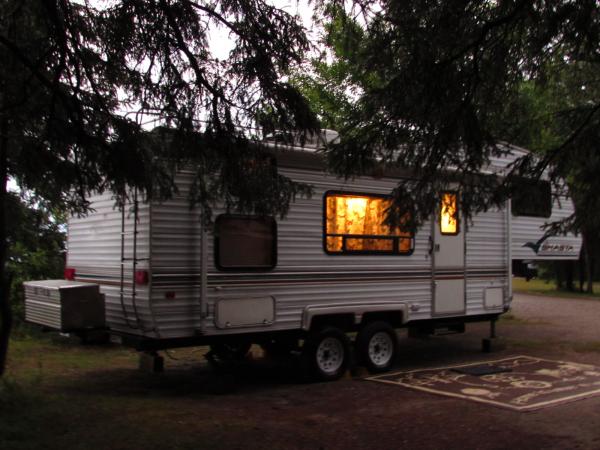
point(64, 305)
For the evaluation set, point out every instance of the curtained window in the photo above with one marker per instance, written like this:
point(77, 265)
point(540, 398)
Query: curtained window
point(245, 242)
point(354, 223)
point(449, 213)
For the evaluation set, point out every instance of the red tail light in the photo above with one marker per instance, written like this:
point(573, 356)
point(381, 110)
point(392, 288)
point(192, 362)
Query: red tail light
point(141, 277)
point(69, 273)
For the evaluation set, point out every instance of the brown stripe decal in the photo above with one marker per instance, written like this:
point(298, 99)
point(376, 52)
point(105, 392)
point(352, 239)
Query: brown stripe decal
point(296, 278)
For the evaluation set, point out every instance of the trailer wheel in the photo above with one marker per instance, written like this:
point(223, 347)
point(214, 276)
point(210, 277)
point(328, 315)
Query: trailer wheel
point(326, 354)
point(230, 350)
point(376, 346)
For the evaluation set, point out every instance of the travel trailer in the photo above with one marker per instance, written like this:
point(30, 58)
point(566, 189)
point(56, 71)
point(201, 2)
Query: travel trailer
point(155, 277)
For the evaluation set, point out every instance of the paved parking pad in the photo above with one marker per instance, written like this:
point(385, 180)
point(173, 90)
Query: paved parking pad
point(520, 383)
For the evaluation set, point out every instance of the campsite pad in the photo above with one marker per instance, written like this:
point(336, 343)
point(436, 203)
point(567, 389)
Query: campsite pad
point(521, 383)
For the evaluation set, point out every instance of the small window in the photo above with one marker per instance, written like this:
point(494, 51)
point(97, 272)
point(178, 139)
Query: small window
point(449, 214)
point(354, 223)
point(245, 242)
point(532, 198)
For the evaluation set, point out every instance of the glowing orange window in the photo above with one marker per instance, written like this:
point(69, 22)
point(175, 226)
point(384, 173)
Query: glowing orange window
point(449, 214)
point(355, 223)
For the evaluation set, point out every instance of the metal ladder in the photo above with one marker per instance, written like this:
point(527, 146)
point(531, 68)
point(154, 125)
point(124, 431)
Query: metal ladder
point(136, 322)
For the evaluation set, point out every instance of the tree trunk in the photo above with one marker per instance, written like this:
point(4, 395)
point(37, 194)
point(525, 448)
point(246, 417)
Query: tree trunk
point(558, 270)
point(589, 261)
point(7, 320)
point(569, 276)
point(581, 267)
point(5, 279)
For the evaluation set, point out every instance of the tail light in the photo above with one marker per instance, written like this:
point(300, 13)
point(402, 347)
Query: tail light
point(141, 277)
point(69, 273)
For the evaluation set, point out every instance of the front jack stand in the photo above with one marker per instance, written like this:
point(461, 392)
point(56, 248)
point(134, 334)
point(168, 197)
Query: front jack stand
point(487, 343)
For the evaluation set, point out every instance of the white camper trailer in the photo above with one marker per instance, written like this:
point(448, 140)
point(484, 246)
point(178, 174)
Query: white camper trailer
point(329, 267)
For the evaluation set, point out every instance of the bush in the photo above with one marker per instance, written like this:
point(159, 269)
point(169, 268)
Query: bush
point(36, 243)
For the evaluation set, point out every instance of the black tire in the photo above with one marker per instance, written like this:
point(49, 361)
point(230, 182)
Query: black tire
point(377, 346)
point(230, 350)
point(326, 354)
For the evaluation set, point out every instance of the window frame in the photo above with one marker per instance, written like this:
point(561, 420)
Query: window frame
point(216, 243)
point(457, 232)
point(396, 246)
point(534, 183)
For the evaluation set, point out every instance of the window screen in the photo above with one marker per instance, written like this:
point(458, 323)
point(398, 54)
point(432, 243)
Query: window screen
point(245, 242)
point(532, 198)
point(354, 223)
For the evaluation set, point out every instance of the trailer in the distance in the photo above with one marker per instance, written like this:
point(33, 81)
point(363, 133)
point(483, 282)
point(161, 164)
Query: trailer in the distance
point(330, 267)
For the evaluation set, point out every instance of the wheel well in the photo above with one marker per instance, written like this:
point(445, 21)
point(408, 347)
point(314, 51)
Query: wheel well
point(344, 322)
point(394, 318)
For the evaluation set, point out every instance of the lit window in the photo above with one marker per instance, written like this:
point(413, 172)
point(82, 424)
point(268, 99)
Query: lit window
point(245, 242)
point(448, 214)
point(355, 224)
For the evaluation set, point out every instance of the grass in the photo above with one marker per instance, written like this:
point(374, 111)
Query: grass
point(41, 401)
point(33, 356)
point(543, 287)
point(60, 394)
point(510, 319)
point(34, 410)
point(20, 413)
point(584, 347)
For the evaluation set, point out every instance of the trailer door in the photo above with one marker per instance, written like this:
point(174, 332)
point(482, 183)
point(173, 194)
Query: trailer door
point(448, 258)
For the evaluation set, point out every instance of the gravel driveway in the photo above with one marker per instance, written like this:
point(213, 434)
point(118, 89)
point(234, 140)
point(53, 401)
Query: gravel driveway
point(561, 319)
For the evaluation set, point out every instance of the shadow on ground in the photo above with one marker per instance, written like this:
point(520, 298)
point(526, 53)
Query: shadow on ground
point(191, 376)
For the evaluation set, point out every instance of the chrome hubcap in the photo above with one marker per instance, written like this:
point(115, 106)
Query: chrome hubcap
point(381, 349)
point(330, 355)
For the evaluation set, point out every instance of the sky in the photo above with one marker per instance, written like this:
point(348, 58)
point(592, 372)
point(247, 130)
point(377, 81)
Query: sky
point(220, 43)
